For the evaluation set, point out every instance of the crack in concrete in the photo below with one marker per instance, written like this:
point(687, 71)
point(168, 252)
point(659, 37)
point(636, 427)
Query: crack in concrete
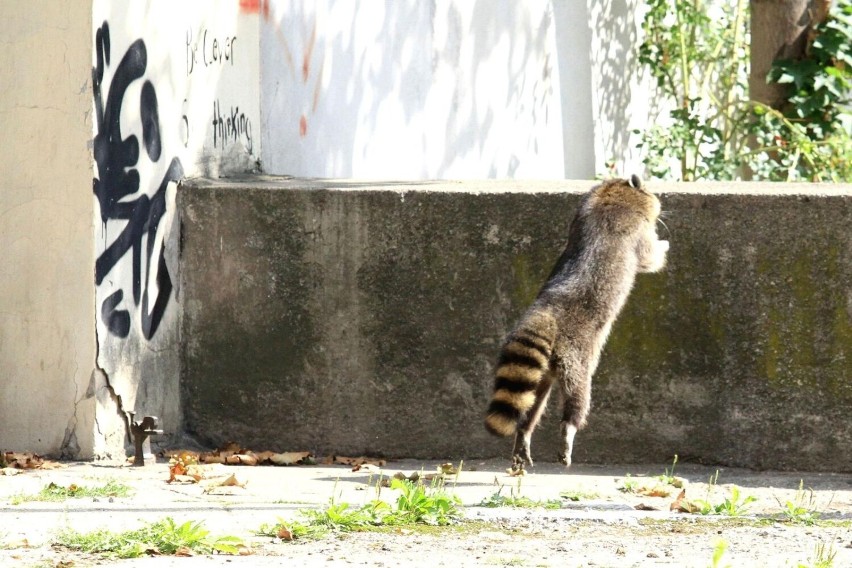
point(93, 389)
point(70, 447)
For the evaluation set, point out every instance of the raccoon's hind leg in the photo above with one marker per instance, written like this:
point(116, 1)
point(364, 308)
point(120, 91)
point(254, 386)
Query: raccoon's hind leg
point(567, 430)
point(576, 396)
point(523, 437)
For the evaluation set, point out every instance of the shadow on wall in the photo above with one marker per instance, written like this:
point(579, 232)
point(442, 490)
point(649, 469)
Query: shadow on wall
point(410, 90)
point(573, 45)
point(622, 98)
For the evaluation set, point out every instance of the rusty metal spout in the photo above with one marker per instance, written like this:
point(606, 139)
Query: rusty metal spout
point(140, 432)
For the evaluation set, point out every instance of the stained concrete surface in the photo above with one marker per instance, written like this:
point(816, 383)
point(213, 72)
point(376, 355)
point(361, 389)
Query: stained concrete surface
point(359, 317)
point(603, 527)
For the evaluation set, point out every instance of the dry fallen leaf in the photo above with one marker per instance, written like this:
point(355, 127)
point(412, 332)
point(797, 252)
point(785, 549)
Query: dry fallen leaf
point(448, 469)
point(263, 457)
point(232, 454)
point(247, 458)
point(342, 460)
point(28, 460)
point(367, 468)
point(224, 491)
point(284, 533)
point(644, 507)
point(513, 472)
point(212, 458)
point(183, 479)
point(220, 455)
point(290, 458)
point(654, 491)
point(183, 551)
point(192, 473)
point(226, 481)
point(186, 456)
point(414, 477)
point(176, 470)
point(683, 505)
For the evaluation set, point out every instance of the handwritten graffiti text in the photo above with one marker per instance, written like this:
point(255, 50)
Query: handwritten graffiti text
point(230, 127)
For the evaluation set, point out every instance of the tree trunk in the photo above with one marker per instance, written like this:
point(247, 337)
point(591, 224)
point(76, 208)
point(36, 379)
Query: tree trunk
point(780, 29)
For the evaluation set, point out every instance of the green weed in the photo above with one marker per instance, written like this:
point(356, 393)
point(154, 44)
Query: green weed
point(629, 484)
point(734, 506)
point(160, 537)
point(338, 517)
point(802, 509)
point(657, 486)
point(515, 499)
point(417, 504)
point(54, 492)
point(577, 495)
point(719, 553)
point(823, 557)
point(292, 530)
point(668, 478)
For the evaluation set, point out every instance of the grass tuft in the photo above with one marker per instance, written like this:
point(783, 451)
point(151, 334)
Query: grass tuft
point(802, 510)
point(416, 505)
point(53, 492)
point(515, 499)
point(160, 537)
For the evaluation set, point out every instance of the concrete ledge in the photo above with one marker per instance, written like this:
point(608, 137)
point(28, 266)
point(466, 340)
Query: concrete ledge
point(359, 317)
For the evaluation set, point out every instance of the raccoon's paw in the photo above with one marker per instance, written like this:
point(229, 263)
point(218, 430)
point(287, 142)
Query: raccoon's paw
point(521, 459)
point(564, 459)
point(654, 260)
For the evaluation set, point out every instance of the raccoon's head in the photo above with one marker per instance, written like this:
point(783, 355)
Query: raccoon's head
point(624, 203)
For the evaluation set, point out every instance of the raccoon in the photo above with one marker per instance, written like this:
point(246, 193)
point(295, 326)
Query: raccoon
point(560, 337)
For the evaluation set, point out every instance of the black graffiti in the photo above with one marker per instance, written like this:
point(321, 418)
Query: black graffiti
point(231, 126)
point(118, 178)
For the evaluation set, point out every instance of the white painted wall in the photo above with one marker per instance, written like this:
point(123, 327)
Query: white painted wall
point(405, 89)
point(47, 336)
point(178, 97)
point(450, 88)
point(622, 95)
point(411, 89)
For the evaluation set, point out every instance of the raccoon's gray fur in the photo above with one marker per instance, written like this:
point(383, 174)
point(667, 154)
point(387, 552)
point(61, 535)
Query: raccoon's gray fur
point(560, 337)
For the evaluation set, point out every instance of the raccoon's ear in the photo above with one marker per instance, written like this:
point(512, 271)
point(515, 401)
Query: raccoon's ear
point(635, 182)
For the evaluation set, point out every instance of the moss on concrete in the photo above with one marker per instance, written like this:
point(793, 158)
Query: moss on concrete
point(364, 320)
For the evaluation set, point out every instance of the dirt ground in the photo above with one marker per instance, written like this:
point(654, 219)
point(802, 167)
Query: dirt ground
point(597, 523)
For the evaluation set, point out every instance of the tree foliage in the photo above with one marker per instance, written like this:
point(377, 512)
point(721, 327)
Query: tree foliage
point(698, 54)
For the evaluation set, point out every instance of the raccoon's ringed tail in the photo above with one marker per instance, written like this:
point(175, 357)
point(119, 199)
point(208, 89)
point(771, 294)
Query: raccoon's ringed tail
point(523, 361)
point(500, 424)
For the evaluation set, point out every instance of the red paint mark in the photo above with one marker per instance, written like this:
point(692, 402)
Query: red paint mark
point(303, 126)
point(317, 88)
point(255, 7)
point(250, 6)
point(309, 49)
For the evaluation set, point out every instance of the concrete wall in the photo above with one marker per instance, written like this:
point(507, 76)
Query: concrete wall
point(47, 335)
point(450, 89)
point(359, 317)
point(175, 94)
